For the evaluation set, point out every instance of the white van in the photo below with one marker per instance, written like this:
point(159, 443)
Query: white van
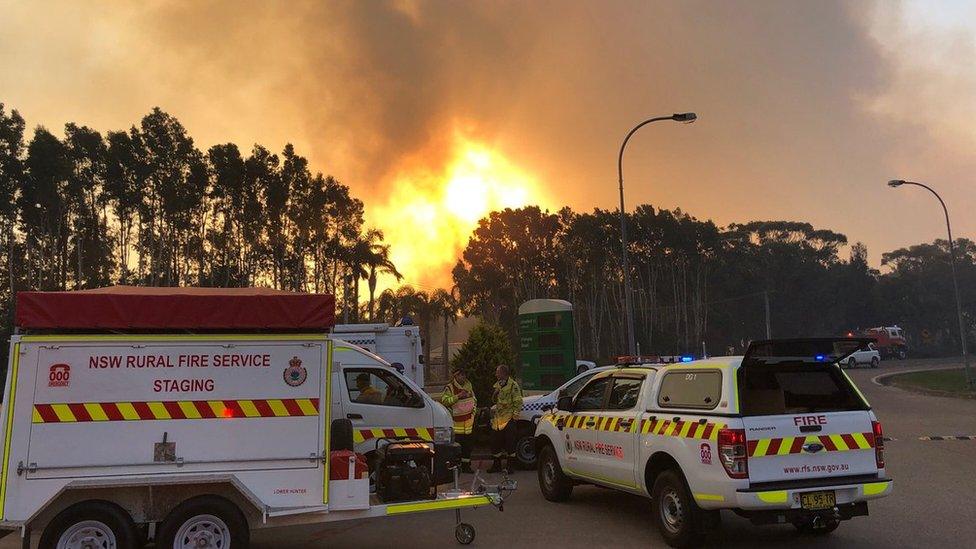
point(401, 346)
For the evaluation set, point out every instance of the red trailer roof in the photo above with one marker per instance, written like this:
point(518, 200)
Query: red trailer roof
point(162, 308)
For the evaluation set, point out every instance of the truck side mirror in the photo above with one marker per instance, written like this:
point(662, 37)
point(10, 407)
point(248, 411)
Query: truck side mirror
point(565, 403)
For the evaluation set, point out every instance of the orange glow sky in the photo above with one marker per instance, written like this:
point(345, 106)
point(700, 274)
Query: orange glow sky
point(434, 113)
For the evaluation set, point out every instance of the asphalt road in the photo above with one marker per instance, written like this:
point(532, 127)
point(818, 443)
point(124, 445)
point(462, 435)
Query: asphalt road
point(932, 506)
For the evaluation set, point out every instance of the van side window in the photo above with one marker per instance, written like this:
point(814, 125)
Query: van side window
point(592, 396)
point(381, 388)
point(691, 389)
point(623, 395)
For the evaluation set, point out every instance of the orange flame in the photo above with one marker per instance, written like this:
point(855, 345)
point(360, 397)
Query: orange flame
point(432, 211)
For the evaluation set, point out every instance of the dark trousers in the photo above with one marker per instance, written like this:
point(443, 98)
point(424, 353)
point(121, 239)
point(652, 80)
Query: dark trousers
point(503, 441)
point(465, 442)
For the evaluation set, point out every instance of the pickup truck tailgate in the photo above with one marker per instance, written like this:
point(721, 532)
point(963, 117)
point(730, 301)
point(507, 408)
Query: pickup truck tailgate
point(803, 417)
point(779, 450)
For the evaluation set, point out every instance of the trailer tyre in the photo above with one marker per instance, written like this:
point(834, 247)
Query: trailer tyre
point(91, 524)
point(204, 521)
point(464, 533)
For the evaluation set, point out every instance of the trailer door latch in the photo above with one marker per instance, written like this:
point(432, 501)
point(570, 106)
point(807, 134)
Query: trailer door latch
point(30, 468)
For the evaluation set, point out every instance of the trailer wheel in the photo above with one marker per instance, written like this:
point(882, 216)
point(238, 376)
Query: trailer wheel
point(464, 533)
point(96, 524)
point(204, 521)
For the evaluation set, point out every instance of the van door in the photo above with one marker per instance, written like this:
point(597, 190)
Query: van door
point(381, 405)
point(804, 418)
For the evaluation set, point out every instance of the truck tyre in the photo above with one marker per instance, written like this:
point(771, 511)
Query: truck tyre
point(204, 521)
point(91, 524)
point(555, 485)
point(874, 362)
point(341, 435)
point(677, 516)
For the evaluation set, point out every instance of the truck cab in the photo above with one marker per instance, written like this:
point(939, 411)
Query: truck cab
point(780, 435)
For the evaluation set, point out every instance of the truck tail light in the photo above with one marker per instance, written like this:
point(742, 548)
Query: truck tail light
point(732, 451)
point(878, 444)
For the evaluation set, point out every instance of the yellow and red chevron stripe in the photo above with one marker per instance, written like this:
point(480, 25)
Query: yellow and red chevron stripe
point(423, 433)
point(683, 429)
point(657, 427)
point(794, 445)
point(174, 409)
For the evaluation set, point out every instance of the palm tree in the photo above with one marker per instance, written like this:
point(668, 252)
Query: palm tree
point(447, 302)
point(367, 258)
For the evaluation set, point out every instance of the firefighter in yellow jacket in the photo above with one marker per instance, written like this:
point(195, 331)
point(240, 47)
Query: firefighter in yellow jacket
point(458, 397)
point(506, 397)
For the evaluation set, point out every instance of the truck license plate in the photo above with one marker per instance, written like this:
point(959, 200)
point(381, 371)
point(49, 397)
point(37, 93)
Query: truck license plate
point(818, 500)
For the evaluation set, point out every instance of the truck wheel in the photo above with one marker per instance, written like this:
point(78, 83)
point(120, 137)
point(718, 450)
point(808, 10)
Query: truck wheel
point(204, 521)
point(555, 485)
point(525, 450)
point(875, 362)
point(97, 524)
point(675, 511)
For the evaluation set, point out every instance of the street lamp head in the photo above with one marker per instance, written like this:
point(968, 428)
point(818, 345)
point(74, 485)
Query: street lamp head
point(896, 183)
point(686, 117)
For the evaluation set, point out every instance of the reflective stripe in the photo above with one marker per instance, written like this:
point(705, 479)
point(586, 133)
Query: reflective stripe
point(777, 496)
point(474, 501)
point(794, 445)
point(709, 497)
point(9, 409)
point(875, 488)
point(362, 435)
point(173, 410)
point(658, 427)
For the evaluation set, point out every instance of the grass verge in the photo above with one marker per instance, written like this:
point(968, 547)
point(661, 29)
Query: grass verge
point(939, 382)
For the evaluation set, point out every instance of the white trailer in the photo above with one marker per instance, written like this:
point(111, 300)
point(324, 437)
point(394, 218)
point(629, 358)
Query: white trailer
point(401, 346)
point(191, 440)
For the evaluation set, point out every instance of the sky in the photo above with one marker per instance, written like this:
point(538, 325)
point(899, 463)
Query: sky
point(436, 112)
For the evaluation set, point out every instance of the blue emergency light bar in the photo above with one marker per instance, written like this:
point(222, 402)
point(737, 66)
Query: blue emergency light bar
point(687, 358)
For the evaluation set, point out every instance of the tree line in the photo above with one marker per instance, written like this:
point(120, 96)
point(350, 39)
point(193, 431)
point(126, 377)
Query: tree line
point(701, 288)
point(145, 206)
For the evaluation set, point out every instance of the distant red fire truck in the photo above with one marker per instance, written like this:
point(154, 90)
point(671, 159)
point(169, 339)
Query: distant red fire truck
point(889, 340)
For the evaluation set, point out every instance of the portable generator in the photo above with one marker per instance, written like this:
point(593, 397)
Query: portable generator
point(405, 471)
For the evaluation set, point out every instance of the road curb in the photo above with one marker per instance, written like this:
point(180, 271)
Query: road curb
point(884, 380)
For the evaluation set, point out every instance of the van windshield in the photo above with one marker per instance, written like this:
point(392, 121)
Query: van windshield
point(792, 388)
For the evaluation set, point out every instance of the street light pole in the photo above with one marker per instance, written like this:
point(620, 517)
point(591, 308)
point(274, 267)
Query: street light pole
point(687, 117)
point(952, 265)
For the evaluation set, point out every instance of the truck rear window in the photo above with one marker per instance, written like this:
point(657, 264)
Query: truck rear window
point(775, 389)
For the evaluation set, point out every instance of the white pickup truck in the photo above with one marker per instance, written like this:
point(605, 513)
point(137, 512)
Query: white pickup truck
point(780, 435)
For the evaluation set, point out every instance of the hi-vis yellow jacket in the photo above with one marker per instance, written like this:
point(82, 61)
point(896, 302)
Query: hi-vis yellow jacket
point(508, 403)
point(459, 398)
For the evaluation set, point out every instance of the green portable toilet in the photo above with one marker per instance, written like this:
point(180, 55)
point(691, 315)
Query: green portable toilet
point(547, 343)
